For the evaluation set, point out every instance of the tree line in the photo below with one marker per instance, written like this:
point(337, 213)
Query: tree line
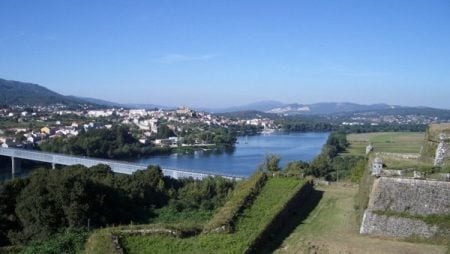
point(113, 143)
point(328, 164)
point(77, 198)
point(325, 124)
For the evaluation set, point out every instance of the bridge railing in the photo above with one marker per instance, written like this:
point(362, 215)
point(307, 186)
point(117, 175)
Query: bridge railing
point(116, 166)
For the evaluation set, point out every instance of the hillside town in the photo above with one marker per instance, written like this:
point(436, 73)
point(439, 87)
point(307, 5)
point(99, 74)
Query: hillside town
point(26, 127)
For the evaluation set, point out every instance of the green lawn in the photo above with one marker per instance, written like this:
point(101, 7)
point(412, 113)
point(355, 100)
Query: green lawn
point(393, 142)
point(272, 198)
point(332, 228)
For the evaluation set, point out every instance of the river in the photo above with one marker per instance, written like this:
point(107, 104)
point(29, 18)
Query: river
point(247, 154)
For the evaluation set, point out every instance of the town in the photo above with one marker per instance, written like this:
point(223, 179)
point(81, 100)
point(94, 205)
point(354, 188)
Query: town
point(29, 126)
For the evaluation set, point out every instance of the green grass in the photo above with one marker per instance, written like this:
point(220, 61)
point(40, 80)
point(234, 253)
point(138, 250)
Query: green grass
point(331, 227)
point(69, 243)
point(242, 196)
point(249, 225)
point(171, 215)
point(392, 142)
point(100, 242)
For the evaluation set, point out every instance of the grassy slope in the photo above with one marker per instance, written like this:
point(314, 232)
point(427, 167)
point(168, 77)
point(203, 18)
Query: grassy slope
point(394, 142)
point(252, 221)
point(331, 228)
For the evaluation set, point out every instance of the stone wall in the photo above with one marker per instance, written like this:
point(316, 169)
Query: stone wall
point(416, 197)
point(396, 204)
point(389, 226)
point(441, 153)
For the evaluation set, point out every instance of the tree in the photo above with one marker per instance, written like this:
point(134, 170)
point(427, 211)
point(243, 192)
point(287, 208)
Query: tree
point(319, 166)
point(164, 132)
point(9, 191)
point(297, 167)
point(271, 163)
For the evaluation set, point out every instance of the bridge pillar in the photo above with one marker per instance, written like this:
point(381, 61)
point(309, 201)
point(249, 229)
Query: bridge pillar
point(53, 165)
point(15, 166)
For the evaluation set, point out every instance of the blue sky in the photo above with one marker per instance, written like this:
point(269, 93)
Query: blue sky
point(222, 52)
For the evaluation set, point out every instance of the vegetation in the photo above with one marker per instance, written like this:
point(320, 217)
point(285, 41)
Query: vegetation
point(331, 227)
point(100, 242)
point(395, 142)
point(116, 142)
point(66, 242)
point(250, 224)
point(432, 140)
point(50, 202)
point(246, 130)
point(363, 195)
point(21, 93)
point(219, 136)
point(242, 197)
point(205, 195)
point(271, 163)
point(305, 124)
point(328, 164)
point(327, 124)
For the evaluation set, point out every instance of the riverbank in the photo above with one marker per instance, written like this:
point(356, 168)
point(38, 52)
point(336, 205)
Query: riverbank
point(246, 155)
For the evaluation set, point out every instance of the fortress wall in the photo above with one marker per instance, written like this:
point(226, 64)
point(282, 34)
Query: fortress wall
point(396, 204)
point(389, 226)
point(413, 196)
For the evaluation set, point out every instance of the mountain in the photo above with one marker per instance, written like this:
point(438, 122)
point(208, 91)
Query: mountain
point(98, 101)
point(261, 106)
point(22, 93)
point(322, 108)
point(120, 105)
point(326, 108)
point(148, 106)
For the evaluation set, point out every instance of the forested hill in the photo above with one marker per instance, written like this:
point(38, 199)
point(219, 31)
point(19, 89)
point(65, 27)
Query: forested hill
point(22, 93)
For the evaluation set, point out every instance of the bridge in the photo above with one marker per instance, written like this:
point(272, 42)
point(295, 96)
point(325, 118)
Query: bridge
point(116, 166)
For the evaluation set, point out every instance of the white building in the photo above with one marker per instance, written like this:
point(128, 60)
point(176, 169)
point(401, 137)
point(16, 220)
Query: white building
point(377, 166)
point(99, 113)
point(137, 112)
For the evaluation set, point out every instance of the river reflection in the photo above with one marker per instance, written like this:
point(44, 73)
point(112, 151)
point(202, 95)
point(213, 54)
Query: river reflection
point(249, 152)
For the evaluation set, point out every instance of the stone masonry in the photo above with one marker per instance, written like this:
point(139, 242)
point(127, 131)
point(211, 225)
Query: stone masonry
point(405, 196)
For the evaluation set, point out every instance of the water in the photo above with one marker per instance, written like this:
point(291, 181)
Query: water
point(244, 159)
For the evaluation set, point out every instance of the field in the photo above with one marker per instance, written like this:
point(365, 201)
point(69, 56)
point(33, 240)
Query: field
point(253, 220)
point(331, 227)
point(391, 142)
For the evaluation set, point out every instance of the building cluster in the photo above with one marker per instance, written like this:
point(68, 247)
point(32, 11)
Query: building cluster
point(375, 119)
point(28, 126)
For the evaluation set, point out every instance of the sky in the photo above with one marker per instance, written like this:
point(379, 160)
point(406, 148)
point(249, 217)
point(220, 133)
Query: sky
point(224, 52)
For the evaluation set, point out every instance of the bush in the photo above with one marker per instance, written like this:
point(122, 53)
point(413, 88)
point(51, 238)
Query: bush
point(242, 197)
point(68, 243)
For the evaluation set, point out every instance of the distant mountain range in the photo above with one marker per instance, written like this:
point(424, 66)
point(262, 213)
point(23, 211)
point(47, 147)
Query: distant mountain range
point(121, 105)
point(22, 93)
point(323, 108)
point(327, 108)
point(96, 101)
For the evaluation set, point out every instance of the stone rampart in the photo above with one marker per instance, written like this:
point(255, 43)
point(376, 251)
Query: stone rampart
point(413, 196)
point(397, 205)
point(390, 226)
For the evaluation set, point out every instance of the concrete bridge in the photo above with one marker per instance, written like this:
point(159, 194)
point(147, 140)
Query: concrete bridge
point(117, 166)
